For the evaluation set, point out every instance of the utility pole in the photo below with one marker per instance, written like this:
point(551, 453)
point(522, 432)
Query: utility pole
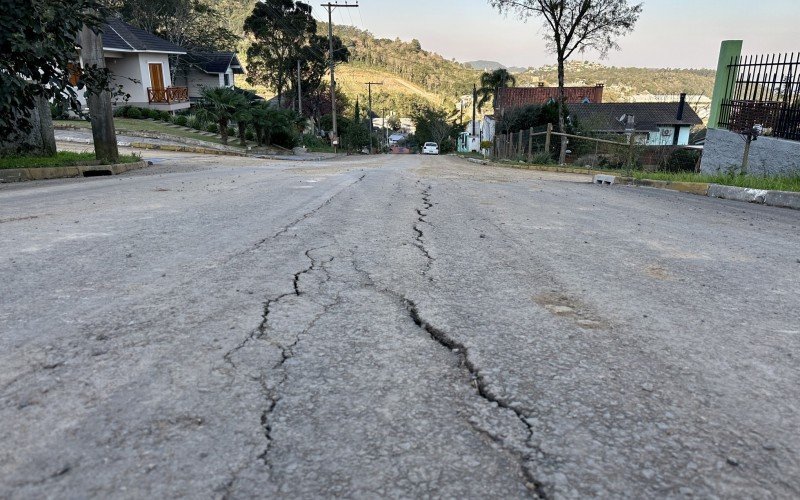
point(330, 7)
point(99, 100)
point(299, 91)
point(383, 126)
point(369, 111)
point(474, 106)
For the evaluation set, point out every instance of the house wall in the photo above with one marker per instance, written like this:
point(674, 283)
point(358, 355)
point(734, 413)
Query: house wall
point(127, 68)
point(658, 139)
point(724, 151)
point(197, 80)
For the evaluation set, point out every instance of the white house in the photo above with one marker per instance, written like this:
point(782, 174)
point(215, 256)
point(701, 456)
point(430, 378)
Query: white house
point(209, 69)
point(652, 123)
point(139, 65)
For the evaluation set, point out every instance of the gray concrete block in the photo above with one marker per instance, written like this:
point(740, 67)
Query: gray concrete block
point(783, 199)
point(604, 179)
point(737, 193)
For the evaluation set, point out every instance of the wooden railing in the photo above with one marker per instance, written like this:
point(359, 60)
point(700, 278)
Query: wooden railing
point(167, 95)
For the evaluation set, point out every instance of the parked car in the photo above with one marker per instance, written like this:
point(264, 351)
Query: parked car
point(430, 148)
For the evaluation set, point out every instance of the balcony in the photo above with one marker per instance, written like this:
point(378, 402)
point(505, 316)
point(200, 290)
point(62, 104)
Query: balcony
point(169, 95)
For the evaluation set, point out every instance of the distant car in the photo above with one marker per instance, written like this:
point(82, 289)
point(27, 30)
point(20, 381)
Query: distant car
point(430, 148)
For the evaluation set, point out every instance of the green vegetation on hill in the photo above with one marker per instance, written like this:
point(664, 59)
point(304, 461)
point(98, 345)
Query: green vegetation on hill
point(416, 75)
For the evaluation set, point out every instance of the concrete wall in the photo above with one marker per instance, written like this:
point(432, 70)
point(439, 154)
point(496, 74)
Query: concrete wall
point(724, 151)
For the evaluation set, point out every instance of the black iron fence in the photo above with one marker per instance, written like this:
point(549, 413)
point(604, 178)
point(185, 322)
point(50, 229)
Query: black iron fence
point(763, 91)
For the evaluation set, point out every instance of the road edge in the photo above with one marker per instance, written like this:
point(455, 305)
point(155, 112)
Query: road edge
point(781, 199)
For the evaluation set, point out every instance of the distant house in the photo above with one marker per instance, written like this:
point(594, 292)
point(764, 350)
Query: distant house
point(652, 123)
point(517, 97)
point(209, 69)
point(139, 66)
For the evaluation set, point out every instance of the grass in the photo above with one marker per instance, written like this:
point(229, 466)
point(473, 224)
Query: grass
point(123, 125)
point(61, 159)
point(783, 183)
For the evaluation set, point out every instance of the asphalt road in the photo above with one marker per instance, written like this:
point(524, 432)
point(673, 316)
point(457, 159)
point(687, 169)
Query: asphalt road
point(393, 327)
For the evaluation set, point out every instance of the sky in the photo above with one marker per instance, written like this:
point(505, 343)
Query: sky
point(669, 34)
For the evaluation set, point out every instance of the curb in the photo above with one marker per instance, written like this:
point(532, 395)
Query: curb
point(525, 166)
point(182, 149)
point(38, 174)
point(783, 199)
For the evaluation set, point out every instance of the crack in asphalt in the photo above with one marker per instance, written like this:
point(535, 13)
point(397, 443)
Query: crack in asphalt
point(479, 383)
point(419, 242)
point(287, 352)
point(307, 215)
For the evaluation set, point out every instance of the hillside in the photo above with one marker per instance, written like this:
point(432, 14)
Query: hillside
point(413, 75)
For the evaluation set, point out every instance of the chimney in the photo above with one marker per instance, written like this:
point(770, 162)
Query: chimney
point(681, 106)
point(541, 84)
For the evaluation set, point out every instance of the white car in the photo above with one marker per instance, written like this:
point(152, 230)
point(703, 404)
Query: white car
point(430, 148)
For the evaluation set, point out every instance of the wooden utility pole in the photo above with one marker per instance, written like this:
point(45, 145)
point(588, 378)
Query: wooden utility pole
point(99, 100)
point(330, 7)
point(474, 106)
point(299, 91)
point(369, 111)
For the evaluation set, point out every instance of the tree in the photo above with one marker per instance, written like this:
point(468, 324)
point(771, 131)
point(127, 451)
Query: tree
point(280, 28)
point(432, 126)
point(393, 122)
point(572, 25)
point(37, 40)
point(221, 105)
point(491, 83)
point(195, 25)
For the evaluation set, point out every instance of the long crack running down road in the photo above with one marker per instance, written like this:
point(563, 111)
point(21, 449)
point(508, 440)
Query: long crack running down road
point(394, 327)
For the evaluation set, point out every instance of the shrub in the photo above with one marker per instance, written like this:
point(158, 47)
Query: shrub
point(153, 114)
point(213, 128)
point(541, 158)
point(164, 116)
point(134, 113)
point(121, 111)
point(231, 132)
point(681, 160)
point(180, 120)
point(196, 123)
point(250, 135)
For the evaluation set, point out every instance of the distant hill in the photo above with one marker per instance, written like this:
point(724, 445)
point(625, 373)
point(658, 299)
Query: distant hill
point(485, 65)
point(413, 75)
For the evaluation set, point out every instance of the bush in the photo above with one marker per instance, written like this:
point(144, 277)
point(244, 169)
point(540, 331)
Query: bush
point(196, 123)
point(135, 113)
point(164, 116)
point(153, 114)
point(681, 160)
point(231, 132)
point(180, 120)
point(121, 111)
point(213, 128)
point(250, 135)
point(541, 158)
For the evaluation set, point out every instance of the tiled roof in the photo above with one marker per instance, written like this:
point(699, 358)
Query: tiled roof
point(216, 62)
point(647, 115)
point(515, 97)
point(121, 36)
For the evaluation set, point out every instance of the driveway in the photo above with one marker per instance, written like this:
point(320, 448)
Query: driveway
point(393, 326)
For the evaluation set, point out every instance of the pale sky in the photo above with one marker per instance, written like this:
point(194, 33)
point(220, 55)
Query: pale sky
point(670, 33)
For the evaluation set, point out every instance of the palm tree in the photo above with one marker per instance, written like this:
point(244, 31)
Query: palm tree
point(491, 83)
point(221, 105)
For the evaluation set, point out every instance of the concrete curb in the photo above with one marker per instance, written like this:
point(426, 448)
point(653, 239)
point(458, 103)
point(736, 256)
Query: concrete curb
point(525, 166)
point(38, 174)
point(182, 149)
point(783, 199)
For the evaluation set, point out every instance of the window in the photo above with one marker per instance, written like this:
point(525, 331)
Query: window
point(227, 78)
